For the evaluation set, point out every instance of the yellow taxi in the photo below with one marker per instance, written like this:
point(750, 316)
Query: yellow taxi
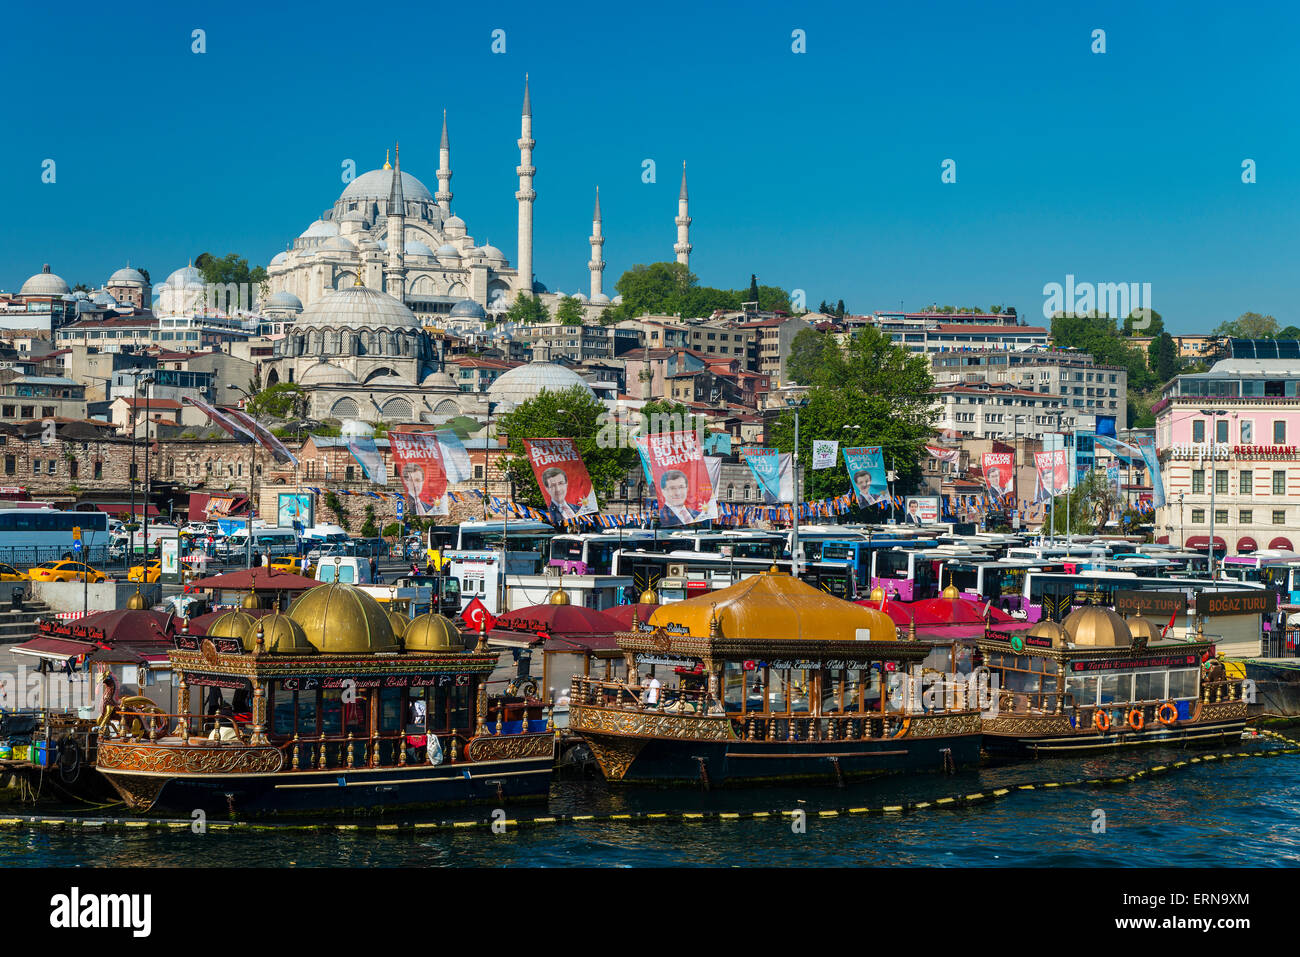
point(10, 574)
point(139, 573)
point(294, 565)
point(65, 572)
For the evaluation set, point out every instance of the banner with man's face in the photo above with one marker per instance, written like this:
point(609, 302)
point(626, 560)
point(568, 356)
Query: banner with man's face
point(681, 478)
point(562, 477)
point(1053, 474)
point(418, 458)
point(1000, 474)
point(867, 475)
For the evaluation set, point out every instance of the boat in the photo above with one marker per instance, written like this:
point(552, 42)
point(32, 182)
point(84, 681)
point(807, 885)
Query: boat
point(1096, 681)
point(766, 681)
point(334, 706)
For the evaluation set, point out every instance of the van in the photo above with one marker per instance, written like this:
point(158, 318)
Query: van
point(347, 569)
point(266, 541)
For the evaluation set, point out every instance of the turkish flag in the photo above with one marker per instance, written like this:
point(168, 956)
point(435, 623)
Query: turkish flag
point(476, 614)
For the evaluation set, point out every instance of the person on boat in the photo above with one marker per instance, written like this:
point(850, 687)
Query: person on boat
point(650, 692)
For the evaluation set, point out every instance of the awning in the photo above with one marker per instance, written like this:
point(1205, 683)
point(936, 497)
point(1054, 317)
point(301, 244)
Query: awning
point(1282, 543)
point(1162, 540)
point(1203, 541)
point(56, 649)
point(1246, 545)
point(118, 508)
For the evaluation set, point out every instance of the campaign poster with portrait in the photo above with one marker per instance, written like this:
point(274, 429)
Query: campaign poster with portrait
point(774, 473)
point(921, 509)
point(562, 476)
point(418, 457)
point(681, 479)
point(867, 476)
point(1053, 470)
point(294, 510)
point(1000, 473)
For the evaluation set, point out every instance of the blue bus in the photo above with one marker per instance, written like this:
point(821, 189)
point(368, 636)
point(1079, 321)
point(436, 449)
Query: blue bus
point(29, 536)
point(859, 554)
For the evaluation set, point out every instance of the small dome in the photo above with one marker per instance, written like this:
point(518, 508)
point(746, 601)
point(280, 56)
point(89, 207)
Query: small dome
point(184, 277)
point(339, 244)
point(323, 373)
point(1051, 630)
point(136, 602)
point(45, 283)
point(319, 230)
point(951, 592)
point(491, 252)
point(250, 601)
point(1143, 629)
point(279, 258)
point(399, 622)
point(417, 248)
point(1096, 627)
point(580, 297)
point(877, 594)
point(233, 624)
point(284, 300)
point(525, 382)
point(600, 299)
point(358, 307)
point(104, 299)
point(433, 632)
point(281, 635)
point(454, 222)
point(467, 309)
point(648, 597)
point(440, 382)
point(339, 619)
point(127, 276)
point(617, 300)
point(559, 597)
point(448, 251)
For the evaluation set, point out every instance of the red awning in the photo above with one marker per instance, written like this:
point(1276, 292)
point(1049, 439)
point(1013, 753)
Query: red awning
point(1203, 541)
point(56, 649)
point(1246, 545)
point(124, 509)
point(1162, 540)
point(1282, 543)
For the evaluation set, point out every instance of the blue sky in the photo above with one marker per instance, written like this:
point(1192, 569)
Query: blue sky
point(818, 171)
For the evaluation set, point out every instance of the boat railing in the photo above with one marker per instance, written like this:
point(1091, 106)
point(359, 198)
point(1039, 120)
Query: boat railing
point(617, 694)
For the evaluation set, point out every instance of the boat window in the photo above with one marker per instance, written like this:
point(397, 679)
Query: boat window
point(1082, 688)
point(778, 682)
point(356, 716)
point(390, 709)
point(734, 677)
point(1149, 686)
point(307, 713)
point(1183, 683)
point(1022, 681)
point(460, 717)
point(439, 719)
point(1116, 687)
point(800, 690)
point(832, 685)
point(331, 711)
point(282, 721)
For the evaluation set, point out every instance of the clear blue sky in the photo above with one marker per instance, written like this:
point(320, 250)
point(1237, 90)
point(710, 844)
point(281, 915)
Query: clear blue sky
point(818, 171)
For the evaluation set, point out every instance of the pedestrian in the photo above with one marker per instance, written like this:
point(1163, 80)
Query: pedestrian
point(374, 569)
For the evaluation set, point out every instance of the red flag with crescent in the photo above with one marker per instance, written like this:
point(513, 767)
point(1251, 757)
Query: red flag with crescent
point(476, 614)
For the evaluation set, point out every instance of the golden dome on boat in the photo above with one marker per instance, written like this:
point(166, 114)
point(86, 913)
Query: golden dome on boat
point(136, 602)
point(433, 632)
point(775, 606)
point(1051, 630)
point(250, 601)
point(399, 622)
point(280, 635)
point(233, 624)
point(559, 597)
point(877, 594)
point(1143, 628)
point(339, 619)
point(1093, 626)
point(951, 592)
point(649, 597)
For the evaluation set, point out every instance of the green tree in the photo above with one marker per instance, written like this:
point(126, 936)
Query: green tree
point(1086, 508)
point(527, 309)
point(335, 505)
point(1249, 325)
point(1290, 332)
point(1162, 357)
point(839, 309)
point(231, 268)
point(368, 528)
point(753, 288)
point(570, 311)
point(281, 401)
point(1136, 324)
point(808, 351)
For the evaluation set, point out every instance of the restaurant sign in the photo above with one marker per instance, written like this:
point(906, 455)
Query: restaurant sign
point(1254, 601)
point(1160, 603)
point(312, 682)
point(680, 661)
point(1132, 664)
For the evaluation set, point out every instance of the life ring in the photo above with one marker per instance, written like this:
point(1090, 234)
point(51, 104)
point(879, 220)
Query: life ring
point(1136, 719)
point(1017, 644)
point(1101, 720)
point(1167, 713)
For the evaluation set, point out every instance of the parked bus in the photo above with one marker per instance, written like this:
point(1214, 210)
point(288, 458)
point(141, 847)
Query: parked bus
point(524, 535)
point(1086, 586)
point(29, 536)
point(592, 553)
point(705, 571)
point(1275, 569)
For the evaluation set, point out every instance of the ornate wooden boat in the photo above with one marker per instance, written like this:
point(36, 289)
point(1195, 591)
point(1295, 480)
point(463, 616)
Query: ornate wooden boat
point(1096, 681)
point(334, 706)
point(769, 680)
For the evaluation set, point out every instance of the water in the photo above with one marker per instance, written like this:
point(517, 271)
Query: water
point(1236, 813)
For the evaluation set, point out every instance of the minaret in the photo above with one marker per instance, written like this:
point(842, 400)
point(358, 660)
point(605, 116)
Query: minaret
point(683, 245)
point(597, 265)
point(395, 272)
point(526, 195)
point(443, 196)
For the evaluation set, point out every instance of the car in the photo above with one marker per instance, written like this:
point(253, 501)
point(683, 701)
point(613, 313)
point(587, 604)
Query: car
point(293, 565)
point(138, 573)
point(65, 571)
point(10, 574)
point(328, 550)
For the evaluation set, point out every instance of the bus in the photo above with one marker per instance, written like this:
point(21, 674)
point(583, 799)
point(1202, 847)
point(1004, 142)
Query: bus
point(1001, 582)
point(592, 553)
point(705, 571)
point(1087, 586)
point(29, 536)
point(859, 555)
point(1275, 569)
point(524, 535)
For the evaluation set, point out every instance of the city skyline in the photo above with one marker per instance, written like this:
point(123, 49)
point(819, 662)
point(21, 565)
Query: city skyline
point(819, 171)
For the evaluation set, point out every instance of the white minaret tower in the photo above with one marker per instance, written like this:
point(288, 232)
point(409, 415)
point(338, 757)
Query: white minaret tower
point(526, 195)
point(443, 196)
point(597, 265)
point(395, 272)
point(683, 245)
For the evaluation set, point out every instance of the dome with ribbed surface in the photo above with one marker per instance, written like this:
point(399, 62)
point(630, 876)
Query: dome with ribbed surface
point(281, 635)
point(467, 309)
point(45, 283)
point(378, 185)
point(233, 624)
point(319, 230)
point(433, 632)
point(1097, 627)
point(525, 382)
point(340, 619)
point(284, 300)
point(358, 307)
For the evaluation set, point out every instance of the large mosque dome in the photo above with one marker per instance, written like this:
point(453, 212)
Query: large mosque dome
point(359, 307)
point(45, 283)
point(525, 382)
point(378, 184)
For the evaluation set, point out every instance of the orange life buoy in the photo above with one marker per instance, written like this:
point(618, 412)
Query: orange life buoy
point(1167, 713)
point(1136, 719)
point(1102, 720)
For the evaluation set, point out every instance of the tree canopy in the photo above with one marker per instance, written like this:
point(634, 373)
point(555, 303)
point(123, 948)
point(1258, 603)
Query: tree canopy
point(230, 268)
point(570, 311)
point(281, 401)
point(1249, 325)
point(527, 309)
point(669, 288)
point(808, 352)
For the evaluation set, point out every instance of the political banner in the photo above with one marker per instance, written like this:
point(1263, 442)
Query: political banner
point(1146, 444)
point(921, 509)
point(1053, 474)
point(562, 477)
point(1117, 448)
point(645, 461)
point(418, 457)
point(681, 479)
point(221, 419)
point(774, 473)
point(1000, 474)
point(263, 437)
point(455, 458)
point(866, 467)
point(951, 456)
point(1112, 477)
point(367, 454)
point(1085, 455)
point(825, 452)
point(717, 443)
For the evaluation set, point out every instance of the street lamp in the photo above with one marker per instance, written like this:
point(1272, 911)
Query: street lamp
point(796, 405)
point(1213, 416)
point(148, 381)
point(252, 481)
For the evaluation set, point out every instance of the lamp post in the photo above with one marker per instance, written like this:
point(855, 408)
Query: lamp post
point(1213, 416)
point(857, 434)
point(795, 555)
point(148, 381)
point(252, 483)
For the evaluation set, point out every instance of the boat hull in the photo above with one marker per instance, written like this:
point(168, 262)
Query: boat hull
point(1277, 686)
point(1051, 735)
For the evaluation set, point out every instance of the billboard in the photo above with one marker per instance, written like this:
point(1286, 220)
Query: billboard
point(681, 479)
point(418, 457)
point(774, 473)
point(921, 509)
point(825, 452)
point(1053, 474)
point(562, 477)
point(867, 474)
point(294, 510)
point(1000, 474)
